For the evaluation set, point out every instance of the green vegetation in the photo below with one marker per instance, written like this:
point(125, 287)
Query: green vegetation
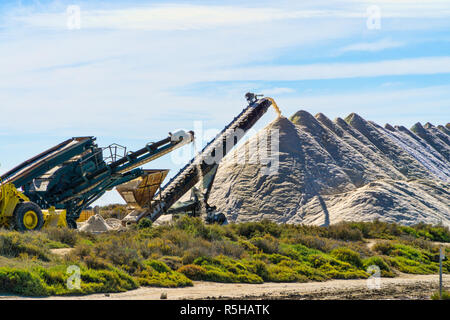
point(117, 211)
point(445, 295)
point(189, 250)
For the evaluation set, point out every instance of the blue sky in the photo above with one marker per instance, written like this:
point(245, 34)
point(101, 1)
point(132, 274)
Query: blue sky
point(136, 70)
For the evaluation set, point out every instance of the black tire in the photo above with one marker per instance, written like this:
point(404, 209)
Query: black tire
point(218, 218)
point(72, 224)
point(25, 211)
point(221, 219)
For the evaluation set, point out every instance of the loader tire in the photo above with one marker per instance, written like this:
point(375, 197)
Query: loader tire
point(72, 224)
point(28, 216)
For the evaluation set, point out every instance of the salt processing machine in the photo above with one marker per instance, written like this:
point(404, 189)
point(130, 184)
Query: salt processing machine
point(71, 176)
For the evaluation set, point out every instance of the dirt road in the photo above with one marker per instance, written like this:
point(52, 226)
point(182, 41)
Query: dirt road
point(402, 287)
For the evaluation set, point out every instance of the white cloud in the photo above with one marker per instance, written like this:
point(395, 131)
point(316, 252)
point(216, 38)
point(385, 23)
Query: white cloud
point(412, 66)
point(97, 80)
point(277, 91)
point(193, 17)
point(372, 46)
point(396, 106)
point(169, 17)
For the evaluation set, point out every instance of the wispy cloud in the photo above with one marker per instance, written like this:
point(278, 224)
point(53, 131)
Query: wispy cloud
point(413, 66)
point(168, 17)
point(379, 45)
point(278, 91)
point(177, 16)
point(128, 76)
point(396, 106)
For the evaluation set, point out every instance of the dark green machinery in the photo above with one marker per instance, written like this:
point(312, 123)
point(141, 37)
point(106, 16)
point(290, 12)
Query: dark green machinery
point(75, 173)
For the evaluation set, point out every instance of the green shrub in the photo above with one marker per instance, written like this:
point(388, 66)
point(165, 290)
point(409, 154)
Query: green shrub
point(270, 258)
point(279, 273)
point(22, 282)
point(304, 270)
point(144, 223)
point(164, 279)
point(347, 255)
point(336, 269)
point(193, 272)
point(33, 244)
point(53, 281)
point(314, 242)
point(248, 246)
point(195, 252)
point(196, 228)
point(383, 247)
point(118, 251)
point(345, 231)
point(259, 268)
point(227, 248)
point(381, 263)
point(80, 251)
point(218, 275)
point(159, 266)
point(437, 296)
point(172, 262)
point(298, 252)
point(410, 266)
point(112, 280)
point(225, 269)
point(96, 263)
point(249, 229)
point(267, 244)
point(159, 246)
point(62, 235)
point(410, 253)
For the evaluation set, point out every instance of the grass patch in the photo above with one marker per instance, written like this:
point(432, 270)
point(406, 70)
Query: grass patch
point(175, 255)
point(437, 296)
point(226, 269)
point(40, 281)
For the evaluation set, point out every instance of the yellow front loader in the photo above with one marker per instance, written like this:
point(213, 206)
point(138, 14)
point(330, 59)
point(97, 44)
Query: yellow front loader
point(18, 212)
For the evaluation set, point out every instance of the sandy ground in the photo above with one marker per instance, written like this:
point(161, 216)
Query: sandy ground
point(402, 287)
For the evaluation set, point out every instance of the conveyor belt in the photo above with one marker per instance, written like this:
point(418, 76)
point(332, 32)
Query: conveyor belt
point(43, 162)
point(189, 175)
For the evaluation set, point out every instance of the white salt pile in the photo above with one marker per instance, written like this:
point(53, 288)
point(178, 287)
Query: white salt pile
point(115, 224)
point(165, 219)
point(330, 171)
point(96, 224)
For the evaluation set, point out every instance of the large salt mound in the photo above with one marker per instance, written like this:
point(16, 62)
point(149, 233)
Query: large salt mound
point(331, 171)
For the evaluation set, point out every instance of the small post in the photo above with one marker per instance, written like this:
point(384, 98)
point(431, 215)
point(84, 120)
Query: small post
point(441, 257)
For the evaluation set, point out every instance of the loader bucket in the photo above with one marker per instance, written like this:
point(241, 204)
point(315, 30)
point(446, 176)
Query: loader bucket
point(138, 193)
point(54, 218)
